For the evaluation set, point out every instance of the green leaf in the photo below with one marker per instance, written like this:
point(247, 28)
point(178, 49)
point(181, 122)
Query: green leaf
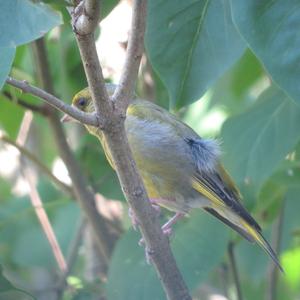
point(234, 90)
point(7, 55)
point(25, 21)
point(256, 141)
point(10, 116)
point(191, 44)
point(272, 30)
point(199, 245)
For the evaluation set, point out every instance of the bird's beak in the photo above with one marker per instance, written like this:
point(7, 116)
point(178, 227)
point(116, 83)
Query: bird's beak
point(66, 118)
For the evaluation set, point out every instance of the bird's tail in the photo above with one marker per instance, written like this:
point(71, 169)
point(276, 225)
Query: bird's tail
point(249, 232)
point(261, 241)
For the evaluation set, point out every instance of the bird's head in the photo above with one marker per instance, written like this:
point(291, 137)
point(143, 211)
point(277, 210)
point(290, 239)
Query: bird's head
point(84, 102)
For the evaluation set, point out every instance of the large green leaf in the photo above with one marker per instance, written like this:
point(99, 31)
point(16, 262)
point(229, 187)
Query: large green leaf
point(256, 141)
point(191, 44)
point(199, 245)
point(7, 55)
point(24, 21)
point(272, 30)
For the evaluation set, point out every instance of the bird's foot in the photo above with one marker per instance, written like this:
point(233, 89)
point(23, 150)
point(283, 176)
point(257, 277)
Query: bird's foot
point(167, 227)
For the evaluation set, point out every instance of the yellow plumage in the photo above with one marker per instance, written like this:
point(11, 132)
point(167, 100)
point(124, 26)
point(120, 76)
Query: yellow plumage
point(180, 170)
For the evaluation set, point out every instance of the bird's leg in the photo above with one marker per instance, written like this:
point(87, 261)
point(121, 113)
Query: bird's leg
point(167, 227)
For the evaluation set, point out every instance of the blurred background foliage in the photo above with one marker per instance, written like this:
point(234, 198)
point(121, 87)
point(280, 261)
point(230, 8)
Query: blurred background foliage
point(230, 69)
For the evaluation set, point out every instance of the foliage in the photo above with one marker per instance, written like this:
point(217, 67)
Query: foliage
point(239, 58)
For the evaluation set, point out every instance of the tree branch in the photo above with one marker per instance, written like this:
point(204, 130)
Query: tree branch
point(86, 16)
point(24, 104)
point(115, 135)
point(135, 49)
point(35, 198)
point(234, 271)
point(53, 101)
point(271, 291)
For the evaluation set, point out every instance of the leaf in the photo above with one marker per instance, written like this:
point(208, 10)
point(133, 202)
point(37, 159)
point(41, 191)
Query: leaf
point(271, 29)
point(25, 21)
point(7, 55)
point(10, 116)
point(234, 90)
point(256, 141)
point(199, 245)
point(191, 44)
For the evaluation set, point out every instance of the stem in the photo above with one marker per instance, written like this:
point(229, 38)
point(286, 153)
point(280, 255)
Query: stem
point(134, 54)
point(24, 86)
point(271, 292)
point(24, 104)
point(35, 197)
point(234, 271)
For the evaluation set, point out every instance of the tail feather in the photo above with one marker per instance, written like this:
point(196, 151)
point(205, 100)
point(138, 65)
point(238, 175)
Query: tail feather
point(258, 237)
point(249, 233)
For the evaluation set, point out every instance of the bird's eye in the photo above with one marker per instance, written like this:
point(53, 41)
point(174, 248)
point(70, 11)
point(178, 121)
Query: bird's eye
point(81, 102)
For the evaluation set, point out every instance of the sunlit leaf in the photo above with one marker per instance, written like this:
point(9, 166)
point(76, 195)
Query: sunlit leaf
point(291, 263)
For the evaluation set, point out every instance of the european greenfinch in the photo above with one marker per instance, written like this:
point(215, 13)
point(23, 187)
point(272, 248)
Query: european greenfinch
point(180, 170)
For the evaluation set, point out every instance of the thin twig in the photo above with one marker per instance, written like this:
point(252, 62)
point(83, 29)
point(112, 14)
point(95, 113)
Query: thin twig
point(234, 270)
point(71, 257)
point(39, 164)
point(44, 220)
point(35, 197)
point(271, 291)
point(134, 54)
point(115, 136)
point(24, 104)
point(86, 118)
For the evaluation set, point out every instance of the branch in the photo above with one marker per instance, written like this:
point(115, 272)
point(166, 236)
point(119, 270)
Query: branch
point(24, 104)
point(71, 257)
point(271, 291)
point(36, 201)
point(115, 136)
point(234, 271)
point(39, 164)
point(86, 16)
point(25, 87)
point(135, 49)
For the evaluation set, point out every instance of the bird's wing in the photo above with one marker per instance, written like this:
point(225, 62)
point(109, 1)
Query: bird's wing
point(214, 187)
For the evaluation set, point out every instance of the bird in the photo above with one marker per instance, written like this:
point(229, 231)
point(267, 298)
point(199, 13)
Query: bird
point(181, 171)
